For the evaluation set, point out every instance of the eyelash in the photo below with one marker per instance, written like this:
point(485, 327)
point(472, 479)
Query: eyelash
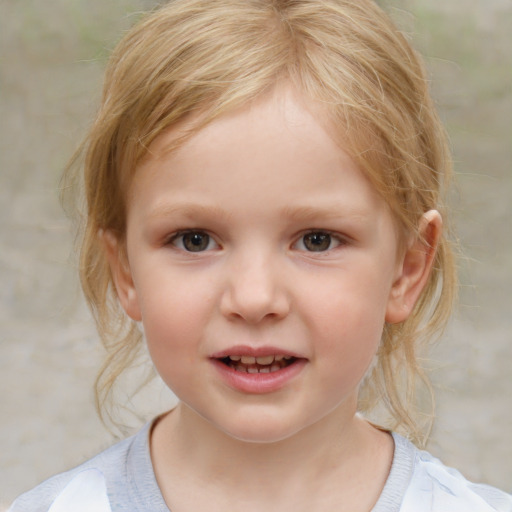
point(333, 238)
point(190, 232)
point(204, 245)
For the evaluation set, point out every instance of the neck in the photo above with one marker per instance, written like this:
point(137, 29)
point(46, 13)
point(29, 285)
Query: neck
point(336, 447)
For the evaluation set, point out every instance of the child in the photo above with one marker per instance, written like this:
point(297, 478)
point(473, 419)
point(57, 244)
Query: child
point(264, 185)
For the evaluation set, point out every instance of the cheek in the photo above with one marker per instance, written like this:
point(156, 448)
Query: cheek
point(348, 321)
point(349, 304)
point(172, 337)
point(174, 314)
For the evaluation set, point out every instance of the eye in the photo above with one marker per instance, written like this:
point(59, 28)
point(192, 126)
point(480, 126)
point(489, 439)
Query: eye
point(193, 241)
point(318, 241)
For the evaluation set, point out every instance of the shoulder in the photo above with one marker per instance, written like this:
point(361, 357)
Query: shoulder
point(94, 484)
point(434, 487)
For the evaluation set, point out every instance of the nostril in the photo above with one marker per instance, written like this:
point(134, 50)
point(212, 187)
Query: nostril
point(255, 295)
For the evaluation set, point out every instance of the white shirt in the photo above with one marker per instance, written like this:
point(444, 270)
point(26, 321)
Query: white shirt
point(122, 479)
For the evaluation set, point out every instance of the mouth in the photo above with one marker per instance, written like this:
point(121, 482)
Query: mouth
point(258, 370)
point(260, 364)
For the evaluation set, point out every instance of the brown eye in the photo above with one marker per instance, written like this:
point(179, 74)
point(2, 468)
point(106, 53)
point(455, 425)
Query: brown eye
point(317, 241)
point(193, 241)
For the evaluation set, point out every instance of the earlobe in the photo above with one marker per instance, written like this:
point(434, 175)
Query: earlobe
point(121, 274)
point(414, 268)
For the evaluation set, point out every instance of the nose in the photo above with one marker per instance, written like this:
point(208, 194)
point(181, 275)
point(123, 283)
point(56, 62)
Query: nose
point(255, 290)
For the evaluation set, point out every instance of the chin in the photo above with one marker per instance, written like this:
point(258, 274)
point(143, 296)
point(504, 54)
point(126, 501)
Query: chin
point(260, 432)
point(260, 437)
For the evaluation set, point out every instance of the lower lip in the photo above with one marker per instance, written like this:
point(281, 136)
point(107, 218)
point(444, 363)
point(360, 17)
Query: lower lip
point(259, 383)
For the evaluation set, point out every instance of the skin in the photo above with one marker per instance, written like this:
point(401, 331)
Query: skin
point(295, 254)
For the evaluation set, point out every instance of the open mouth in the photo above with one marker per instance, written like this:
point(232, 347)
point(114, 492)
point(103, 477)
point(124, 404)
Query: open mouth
point(263, 364)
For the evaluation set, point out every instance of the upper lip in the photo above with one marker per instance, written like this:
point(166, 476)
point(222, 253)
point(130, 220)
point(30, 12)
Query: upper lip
point(244, 350)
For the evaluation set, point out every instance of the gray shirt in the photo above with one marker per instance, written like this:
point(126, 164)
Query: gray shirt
point(122, 479)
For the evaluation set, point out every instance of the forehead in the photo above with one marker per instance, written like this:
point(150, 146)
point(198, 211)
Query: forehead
point(271, 129)
point(283, 106)
point(275, 156)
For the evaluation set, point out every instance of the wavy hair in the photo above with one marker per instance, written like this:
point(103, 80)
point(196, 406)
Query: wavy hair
point(209, 57)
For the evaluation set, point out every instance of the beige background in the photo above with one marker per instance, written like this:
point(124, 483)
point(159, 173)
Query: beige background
point(52, 55)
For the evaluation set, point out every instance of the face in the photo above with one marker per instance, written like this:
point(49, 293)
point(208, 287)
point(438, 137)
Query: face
point(263, 266)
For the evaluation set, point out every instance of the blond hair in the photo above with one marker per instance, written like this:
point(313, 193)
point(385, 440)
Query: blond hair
point(212, 56)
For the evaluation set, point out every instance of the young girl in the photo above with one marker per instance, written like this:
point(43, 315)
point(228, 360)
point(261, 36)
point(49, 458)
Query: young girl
point(264, 185)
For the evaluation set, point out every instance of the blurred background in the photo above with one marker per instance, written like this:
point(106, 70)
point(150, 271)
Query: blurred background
point(51, 62)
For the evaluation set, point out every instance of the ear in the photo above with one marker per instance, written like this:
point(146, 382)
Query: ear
point(121, 274)
point(414, 268)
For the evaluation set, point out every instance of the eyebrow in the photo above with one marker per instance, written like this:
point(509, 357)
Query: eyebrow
point(294, 213)
point(188, 210)
point(333, 211)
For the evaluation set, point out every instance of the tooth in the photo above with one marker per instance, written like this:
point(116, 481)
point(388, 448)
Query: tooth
point(275, 368)
point(278, 358)
point(265, 370)
point(248, 360)
point(235, 358)
point(241, 368)
point(287, 358)
point(252, 369)
point(265, 360)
